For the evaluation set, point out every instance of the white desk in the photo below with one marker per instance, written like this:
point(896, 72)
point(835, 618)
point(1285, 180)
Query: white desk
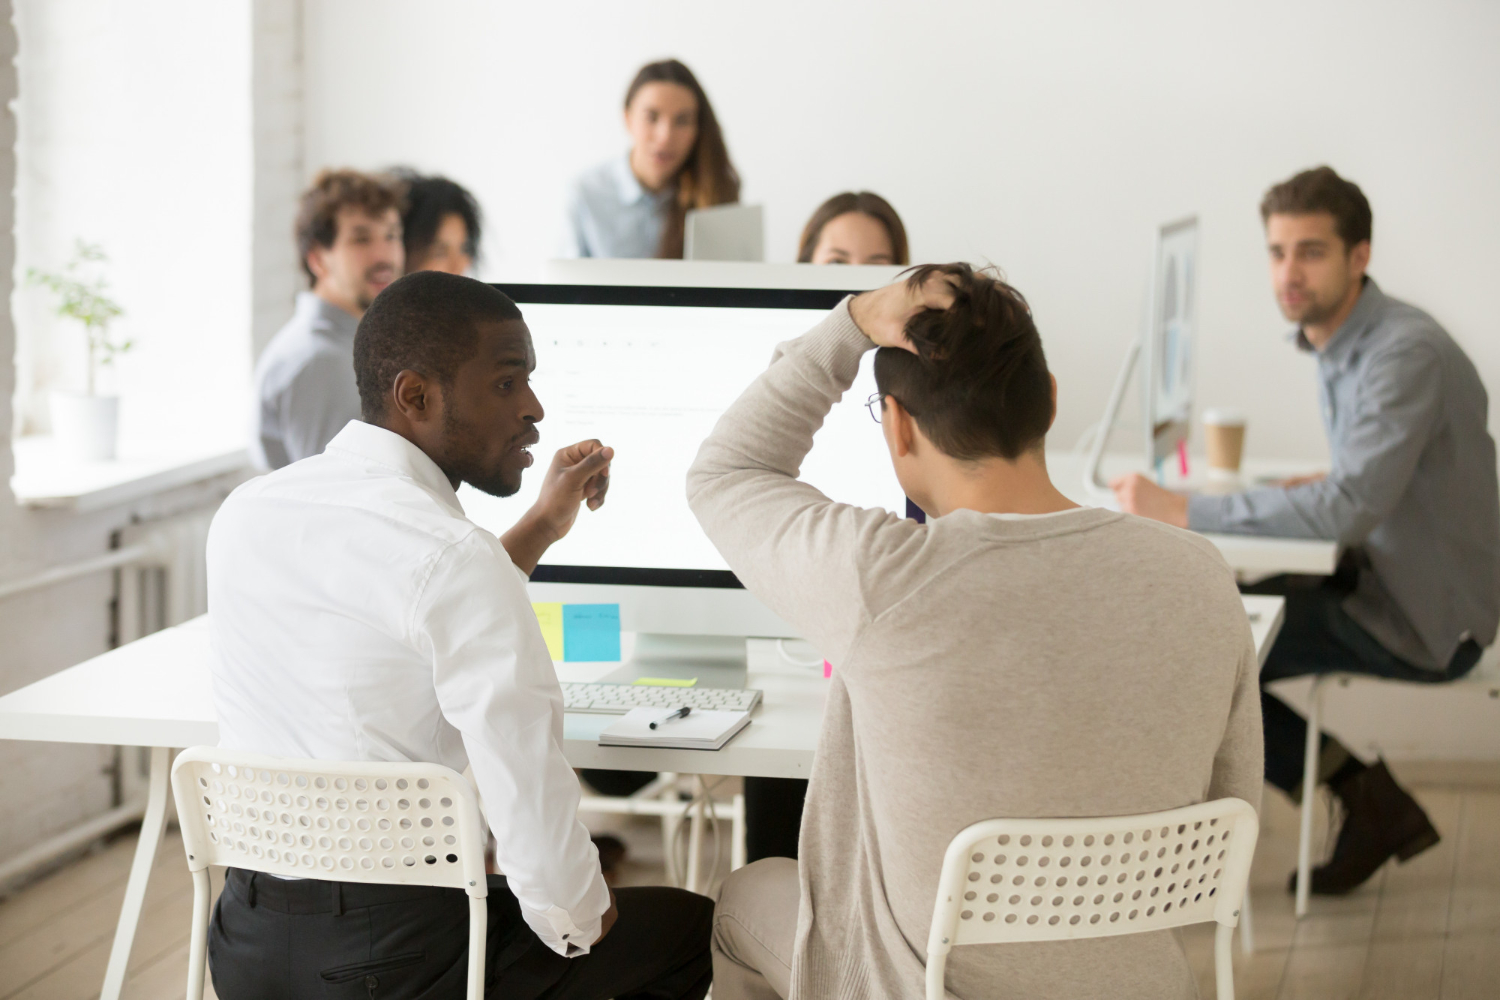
point(1250, 556)
point(155, 693)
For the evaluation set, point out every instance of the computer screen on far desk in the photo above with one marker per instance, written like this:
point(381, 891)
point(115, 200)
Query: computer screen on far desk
point(649, 371)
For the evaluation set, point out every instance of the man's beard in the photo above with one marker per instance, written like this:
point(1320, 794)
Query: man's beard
point(1315, 313)
point(466, 464)
point(1318, 311)
point(363, 298)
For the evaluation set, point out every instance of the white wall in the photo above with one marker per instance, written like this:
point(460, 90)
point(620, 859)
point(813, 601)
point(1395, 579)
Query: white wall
point(135, 133)
point(1047, 138)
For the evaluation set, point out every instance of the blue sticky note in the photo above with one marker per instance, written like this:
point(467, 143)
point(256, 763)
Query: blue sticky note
point(591, 632)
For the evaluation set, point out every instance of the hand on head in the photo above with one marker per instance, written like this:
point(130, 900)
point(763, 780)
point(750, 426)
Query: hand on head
point(882, 315)
point(1138, 495)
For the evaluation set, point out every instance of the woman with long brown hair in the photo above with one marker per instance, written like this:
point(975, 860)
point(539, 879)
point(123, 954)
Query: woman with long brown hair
point(634, 205)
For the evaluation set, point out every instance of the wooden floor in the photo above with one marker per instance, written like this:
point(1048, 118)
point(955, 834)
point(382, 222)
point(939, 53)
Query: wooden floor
point(1426, 930)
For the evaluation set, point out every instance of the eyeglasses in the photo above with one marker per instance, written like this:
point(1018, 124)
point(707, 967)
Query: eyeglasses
point(876, 405)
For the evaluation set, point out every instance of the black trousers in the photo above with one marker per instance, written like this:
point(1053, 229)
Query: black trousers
point(773, 817)
point(1319, 637)
point(287, 940)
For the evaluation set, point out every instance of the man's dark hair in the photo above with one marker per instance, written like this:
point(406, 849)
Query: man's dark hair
point(430, 200)
point(978, 385)
point(427, 322)
point(1322, 190)
point(331, 192)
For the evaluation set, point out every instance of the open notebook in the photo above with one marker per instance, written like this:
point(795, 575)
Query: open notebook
point(701, 730)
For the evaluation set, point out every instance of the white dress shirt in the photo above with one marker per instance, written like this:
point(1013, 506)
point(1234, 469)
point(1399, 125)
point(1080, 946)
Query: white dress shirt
point(358, 615)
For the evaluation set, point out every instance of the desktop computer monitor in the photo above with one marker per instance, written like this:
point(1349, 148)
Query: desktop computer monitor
point(713, 274)
point(649, 371)
point(1168, 380)
point(1164, 353)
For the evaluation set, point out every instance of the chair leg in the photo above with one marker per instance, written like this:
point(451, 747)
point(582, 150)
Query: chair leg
point(1224, 961)
point(1247, 929)
point(478, 928)
point(737, 848)
point(198, 943)
point(669, 821)
point(1309, 794)
point(695, 834)
point(936, 965)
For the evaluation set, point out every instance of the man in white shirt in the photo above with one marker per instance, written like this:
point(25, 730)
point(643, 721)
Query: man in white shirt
point(358, 615)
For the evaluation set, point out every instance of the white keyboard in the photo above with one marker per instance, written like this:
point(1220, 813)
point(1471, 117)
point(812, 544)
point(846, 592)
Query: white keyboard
point(617, 699)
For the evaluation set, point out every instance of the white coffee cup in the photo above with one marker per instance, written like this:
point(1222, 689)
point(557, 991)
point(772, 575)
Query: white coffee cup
point(1224, 435)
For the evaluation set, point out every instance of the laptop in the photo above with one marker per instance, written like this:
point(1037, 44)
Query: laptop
point(725, 232)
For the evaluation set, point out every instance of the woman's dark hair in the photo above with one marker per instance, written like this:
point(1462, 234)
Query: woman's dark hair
point(1322, 190)
point(430, 200)
point(706, 177)
point(978, 385)
point(866, 203)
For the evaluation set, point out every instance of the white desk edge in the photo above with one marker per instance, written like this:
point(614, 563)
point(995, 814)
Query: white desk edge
point(110, 700)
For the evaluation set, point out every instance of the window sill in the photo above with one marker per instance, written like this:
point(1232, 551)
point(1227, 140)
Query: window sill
point(43, 478)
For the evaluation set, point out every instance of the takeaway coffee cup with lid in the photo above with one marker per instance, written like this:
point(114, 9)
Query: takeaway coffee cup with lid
point(1224, 433)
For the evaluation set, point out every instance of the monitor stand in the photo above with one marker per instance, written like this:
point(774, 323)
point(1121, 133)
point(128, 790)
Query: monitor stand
point(1093, 482)
point(716, 661)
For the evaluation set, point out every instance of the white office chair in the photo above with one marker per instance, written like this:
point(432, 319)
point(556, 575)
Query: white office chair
point(1008, 880)
point(394, 823)
point(1484, 677)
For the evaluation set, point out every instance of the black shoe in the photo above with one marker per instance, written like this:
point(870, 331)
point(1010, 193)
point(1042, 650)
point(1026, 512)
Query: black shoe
point(611, 853)
point(1380, 820)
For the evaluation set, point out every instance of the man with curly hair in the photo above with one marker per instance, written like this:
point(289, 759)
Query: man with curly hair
point(349, 239)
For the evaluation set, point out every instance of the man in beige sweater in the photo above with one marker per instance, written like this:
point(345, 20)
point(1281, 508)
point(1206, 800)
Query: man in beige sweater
point(1017, 655)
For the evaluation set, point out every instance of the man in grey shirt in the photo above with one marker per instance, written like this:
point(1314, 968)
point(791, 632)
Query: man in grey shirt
point(1411, 499)
point(349, 238)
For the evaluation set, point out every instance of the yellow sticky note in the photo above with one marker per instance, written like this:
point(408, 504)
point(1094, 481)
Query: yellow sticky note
point(667, 682)
point(550, 618)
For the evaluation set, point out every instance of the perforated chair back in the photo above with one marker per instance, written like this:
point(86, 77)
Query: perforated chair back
point(1006, 880)
point(346, 821)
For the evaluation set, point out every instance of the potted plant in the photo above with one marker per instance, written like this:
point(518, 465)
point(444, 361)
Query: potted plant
point(85, 425)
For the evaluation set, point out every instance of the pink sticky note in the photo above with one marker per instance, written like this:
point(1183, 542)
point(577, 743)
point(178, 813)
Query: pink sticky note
point(1182, 463)
point(827, 669)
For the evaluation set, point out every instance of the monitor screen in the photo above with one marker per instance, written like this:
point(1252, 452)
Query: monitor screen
point(1169, 341)
point(649, 371)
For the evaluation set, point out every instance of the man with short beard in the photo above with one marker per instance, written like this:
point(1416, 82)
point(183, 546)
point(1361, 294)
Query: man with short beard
point(349, 239)
point(357, 614)
point(1411, 499)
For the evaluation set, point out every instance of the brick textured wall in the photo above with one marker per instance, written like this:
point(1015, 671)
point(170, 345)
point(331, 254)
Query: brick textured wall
point(113, 147)
point(42, 788)
point(277, 126)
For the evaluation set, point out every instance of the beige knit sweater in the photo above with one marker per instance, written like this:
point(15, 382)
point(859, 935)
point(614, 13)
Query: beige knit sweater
point(1085, 663)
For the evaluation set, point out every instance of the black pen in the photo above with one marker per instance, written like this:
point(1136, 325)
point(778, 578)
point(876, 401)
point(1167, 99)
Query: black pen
point(681, 713)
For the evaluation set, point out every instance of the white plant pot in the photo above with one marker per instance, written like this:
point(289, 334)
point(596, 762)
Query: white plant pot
point(85, 427)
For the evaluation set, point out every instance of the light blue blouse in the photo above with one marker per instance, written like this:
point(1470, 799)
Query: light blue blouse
point(611, 215)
